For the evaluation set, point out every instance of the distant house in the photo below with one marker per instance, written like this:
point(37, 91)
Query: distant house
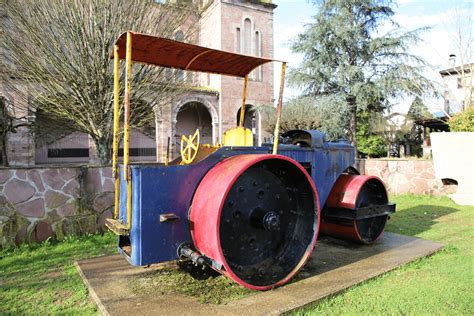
point(458, 82)
point(458, 95)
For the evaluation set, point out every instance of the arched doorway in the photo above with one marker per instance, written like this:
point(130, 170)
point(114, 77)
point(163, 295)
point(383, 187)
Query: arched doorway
point(252, 122)
point(192, 116)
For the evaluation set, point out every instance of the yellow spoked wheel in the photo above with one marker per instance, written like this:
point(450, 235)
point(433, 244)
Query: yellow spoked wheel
point(189, 147)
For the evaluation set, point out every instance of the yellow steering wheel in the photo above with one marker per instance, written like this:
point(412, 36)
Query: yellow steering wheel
point(189, 147)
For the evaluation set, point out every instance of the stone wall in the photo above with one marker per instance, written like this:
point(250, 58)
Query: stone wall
point(39, 203)
point(406, 176)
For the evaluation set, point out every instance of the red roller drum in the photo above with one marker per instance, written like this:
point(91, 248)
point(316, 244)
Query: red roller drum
point(350, 193)
point(257, 218)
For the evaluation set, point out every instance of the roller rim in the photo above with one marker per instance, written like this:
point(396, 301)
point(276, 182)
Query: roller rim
point(353, 201)
point(382, 220)
point(228, 271)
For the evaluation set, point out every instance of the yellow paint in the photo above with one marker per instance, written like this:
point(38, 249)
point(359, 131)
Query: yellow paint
point(116, 132)
point(189, 147)
point(242, 109)
point(279, 106)
point(126, 128)
point(237, 136)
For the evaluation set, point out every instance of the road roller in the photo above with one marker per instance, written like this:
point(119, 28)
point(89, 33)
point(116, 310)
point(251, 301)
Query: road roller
point(252, 212)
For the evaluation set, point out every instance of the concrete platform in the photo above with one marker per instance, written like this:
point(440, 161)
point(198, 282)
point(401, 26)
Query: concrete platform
point(334, 266)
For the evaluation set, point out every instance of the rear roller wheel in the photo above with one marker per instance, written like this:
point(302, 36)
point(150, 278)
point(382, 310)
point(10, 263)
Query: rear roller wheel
point(350, 195)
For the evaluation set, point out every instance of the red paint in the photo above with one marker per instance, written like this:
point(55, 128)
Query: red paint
point(344, 194)
point(207, 206)
point(340, 231)
point(346, 190)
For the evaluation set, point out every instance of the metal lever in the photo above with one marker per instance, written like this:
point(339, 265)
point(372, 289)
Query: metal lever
point(168, 217)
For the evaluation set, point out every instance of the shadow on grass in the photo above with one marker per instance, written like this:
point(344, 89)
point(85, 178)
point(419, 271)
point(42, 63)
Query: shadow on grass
point(416, 220)
point(330, 253)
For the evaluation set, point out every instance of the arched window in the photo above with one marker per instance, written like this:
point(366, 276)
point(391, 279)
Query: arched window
point(258, 52)
point(248, 41)
point(247, 37)
point(256, 45)
point(237, 40)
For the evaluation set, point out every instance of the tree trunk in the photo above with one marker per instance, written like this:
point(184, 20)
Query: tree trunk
point(104, 150)
point(351, 102)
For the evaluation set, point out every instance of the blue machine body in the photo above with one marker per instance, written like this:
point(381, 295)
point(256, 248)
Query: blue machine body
point(158, 189)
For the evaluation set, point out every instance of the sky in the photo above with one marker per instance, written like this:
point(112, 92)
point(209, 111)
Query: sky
point(437, 43)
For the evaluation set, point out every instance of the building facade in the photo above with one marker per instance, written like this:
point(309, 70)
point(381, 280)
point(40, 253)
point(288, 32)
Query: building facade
point(457, 96)
point(241, 26)
point(458, 87)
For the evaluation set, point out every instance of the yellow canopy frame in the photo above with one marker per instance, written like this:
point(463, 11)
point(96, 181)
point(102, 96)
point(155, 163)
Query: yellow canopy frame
point(181, 56)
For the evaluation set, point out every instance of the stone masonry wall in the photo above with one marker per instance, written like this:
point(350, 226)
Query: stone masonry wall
point(39, 203)
point(406, 176)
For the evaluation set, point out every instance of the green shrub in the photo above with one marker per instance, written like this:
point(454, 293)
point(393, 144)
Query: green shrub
point(371, 145)
point(462, 122)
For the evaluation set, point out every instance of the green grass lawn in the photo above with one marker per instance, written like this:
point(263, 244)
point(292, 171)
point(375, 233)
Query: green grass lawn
point(442, 284)
point(42, 279)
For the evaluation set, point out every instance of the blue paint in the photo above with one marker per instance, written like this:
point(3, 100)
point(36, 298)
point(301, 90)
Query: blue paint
point(159, 189)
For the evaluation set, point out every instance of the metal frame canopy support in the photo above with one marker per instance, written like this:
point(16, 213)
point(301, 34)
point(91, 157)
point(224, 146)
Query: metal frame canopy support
point(244, 97)
point(116, 132)
point(279, 107)
point(172, 54)
point(126, 156)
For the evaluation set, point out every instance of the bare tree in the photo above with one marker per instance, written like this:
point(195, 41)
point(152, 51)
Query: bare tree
point(60, 49)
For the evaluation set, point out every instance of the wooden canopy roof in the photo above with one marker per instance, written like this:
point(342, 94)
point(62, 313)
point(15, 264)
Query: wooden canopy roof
point(164, 52)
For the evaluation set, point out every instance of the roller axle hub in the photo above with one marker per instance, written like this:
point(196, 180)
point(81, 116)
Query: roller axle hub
point(260, 218)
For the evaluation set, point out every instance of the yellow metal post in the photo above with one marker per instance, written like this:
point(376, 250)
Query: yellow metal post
point(242, 109)
point(167, 158)
point(116, 131)
point(126, 171)
point(279, 106)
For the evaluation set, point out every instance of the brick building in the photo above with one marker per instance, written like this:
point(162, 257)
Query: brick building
point(242, 26)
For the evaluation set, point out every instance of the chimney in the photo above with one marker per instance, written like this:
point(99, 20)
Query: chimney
point(452, 60)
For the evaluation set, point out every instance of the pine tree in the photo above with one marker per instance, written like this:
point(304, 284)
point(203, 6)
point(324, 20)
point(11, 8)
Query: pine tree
point(345, 54)
point(413, 140)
